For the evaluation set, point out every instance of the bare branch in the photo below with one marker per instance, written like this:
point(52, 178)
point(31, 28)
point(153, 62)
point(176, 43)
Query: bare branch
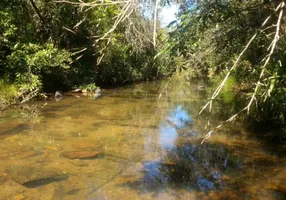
point(155, 23)
point(273, 45)
point(258, 84)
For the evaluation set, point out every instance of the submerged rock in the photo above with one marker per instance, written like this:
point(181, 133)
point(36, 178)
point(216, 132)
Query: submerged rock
point(79, 163)
point(15, 130)
point(80, 154)
point(33, 176)
point(27, 154)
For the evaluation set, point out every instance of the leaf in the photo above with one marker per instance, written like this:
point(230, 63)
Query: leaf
point(172, 23)
point(272, 85)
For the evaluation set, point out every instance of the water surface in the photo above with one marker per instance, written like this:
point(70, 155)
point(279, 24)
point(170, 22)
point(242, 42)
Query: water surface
point(136, 146)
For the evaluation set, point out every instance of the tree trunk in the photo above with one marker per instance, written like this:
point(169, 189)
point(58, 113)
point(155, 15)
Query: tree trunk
point(155, 23)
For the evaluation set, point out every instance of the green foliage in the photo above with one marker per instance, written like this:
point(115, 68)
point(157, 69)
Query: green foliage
point(8, 93)
point(52, 46)
point(35, 57)
point(28, 62)
point(211, 34)
point(227, 94)
point(121, 64)
point(28, 82)
point(89, 87)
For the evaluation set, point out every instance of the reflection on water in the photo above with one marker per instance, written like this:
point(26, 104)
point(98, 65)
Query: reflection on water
point(130, 145)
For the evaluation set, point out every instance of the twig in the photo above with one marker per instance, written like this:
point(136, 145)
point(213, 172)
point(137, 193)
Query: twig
point(125, 7)
point(119, 19)
point(267, 59)
point(92, 4)
point(30, 96)
point(165, 86)
point(218, 89)
point(217, 127)
point(273, 45)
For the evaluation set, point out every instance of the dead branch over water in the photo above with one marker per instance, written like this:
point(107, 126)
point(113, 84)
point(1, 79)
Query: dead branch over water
point(266, 60)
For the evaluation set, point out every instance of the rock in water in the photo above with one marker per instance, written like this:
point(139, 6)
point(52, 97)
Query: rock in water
point(76, 90)
point(33, 176)
point(80, 154)
point(58, 94)
point(17, 129)
point(97, 93)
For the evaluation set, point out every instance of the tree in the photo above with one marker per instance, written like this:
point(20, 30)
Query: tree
point(239, 39)
point(50, 45)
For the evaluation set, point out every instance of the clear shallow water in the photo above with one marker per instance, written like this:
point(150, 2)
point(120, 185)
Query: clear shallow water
point(135, 147)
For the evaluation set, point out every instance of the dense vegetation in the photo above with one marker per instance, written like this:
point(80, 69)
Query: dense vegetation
point(48, 46)
point(240, 46)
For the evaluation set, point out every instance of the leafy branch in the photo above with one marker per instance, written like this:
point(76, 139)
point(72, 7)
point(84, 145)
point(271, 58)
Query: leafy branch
point(266, 60)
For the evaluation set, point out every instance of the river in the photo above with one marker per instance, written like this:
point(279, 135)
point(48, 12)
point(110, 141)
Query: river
point(129, 144)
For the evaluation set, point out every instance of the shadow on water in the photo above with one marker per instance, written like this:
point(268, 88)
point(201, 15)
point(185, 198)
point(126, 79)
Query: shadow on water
point(217, 169)
point(191, 167)
point(207, 169)
point(273, 138)
point(15, 130)
point(149, 149)
point(42, 182)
